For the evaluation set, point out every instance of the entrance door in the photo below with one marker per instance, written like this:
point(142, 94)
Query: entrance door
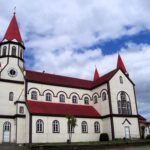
point(6, 132)
point(127, 132)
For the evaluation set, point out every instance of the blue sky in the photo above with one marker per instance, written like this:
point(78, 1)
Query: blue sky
point(83, 35)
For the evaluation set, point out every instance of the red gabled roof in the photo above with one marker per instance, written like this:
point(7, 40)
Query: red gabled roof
point(59, 109)
point(96, 75)
point(58, 80)
point(13, 31)
point(144, 122)
point(120, 65)
point(141, 118)
point(104, 78)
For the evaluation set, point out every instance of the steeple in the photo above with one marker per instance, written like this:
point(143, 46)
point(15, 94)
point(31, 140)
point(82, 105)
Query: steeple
point(13, 32)
point(96, 75)
point(120, 65)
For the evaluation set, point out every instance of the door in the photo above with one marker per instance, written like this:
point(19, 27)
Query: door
point(127, 132)
point(6, 132)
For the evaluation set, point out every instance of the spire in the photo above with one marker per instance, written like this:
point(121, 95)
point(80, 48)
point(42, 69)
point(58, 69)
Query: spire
point(13, 31)
point(96, 75)
point(120, 65)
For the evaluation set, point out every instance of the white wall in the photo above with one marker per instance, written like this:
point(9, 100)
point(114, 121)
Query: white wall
point(116, 87)
point(13, 129)
point(49, 137)
point(119, 127)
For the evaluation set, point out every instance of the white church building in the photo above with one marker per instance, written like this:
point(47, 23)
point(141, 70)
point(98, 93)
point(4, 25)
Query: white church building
point(34, 105)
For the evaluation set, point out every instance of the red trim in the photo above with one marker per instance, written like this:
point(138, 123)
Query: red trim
point(60, 109)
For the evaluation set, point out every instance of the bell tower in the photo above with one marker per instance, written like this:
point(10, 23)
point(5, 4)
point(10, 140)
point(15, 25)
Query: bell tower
point(12, 53)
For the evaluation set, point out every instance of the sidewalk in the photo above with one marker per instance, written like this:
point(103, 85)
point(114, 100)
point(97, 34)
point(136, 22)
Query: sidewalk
point(12, 147)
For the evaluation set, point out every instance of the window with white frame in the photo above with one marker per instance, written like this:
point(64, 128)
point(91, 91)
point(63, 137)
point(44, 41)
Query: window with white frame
point(86, 100)
point(96, 127)
point(48, 97)
point(34, 95)
point(124, 105)
point(61, 98)
point(55, 126)
point(11, 96)
point(74, 99)
point(39, 126)
point(21, 110)
point(104, 96)
point(21, 54)
point(4, 51)
point(95, 99)
point(121, 79)
point(84, 127)
point(13, 53)
point(7, 126)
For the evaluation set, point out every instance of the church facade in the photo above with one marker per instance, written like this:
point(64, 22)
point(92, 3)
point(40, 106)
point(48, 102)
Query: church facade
point(34, 105)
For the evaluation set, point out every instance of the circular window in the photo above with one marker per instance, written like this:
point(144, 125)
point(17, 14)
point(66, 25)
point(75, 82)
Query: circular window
point(12, 72)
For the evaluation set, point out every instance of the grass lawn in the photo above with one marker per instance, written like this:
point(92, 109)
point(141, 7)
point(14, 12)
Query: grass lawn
point(114, 142)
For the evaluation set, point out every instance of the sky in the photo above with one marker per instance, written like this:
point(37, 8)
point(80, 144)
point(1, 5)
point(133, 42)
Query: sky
point(72, 37)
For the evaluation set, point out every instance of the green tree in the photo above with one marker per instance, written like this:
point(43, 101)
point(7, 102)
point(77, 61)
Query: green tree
point(142, 132)
point(72, 123)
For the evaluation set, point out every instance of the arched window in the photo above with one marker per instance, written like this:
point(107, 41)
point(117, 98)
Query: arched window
point(62, 98)
point(34, 95)
point(74, 99)
point(13, 53)
point(39, 126)
point(123, 96)
point(4, 51)
point(55, 126)
point(48, 97)
point(104, 96)
point(11, 96)
point(7, 126)
point(97, 127)
point(124, 105)
point(21, 56)
point(86, 100)
point(84, 127)
point(121, 79)
point(95, 99)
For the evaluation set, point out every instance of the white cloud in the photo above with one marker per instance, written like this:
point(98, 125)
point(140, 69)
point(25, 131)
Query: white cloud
point(57, 34)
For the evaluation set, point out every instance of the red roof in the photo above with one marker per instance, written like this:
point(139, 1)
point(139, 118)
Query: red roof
point(104, 78)
point(13, 31)
point(58, 80)
point(144, 122)
point(60, 109)
point(96, 75)
point(141, 118)
point(120, 65)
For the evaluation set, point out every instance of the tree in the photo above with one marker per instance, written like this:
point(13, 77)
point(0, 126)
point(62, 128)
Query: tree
point(72, 123)
point(142, 132)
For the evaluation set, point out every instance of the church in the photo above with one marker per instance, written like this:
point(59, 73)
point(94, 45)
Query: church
point(34, 105)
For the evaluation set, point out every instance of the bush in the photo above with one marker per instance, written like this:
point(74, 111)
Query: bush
point(148, 136)
point(104, 137)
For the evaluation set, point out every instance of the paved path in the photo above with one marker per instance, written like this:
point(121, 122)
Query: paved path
point(12, 147)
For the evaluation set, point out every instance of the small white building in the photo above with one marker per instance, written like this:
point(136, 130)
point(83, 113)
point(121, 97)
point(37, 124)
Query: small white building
point(34, 105)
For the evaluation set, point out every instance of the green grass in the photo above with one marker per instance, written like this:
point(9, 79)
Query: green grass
point(114, 142)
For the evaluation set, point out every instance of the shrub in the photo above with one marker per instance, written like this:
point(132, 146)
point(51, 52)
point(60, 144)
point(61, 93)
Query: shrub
point(148, 136)
point(104, 137)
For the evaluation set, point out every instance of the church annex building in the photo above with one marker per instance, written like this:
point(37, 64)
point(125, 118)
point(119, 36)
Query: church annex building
point(34, 105)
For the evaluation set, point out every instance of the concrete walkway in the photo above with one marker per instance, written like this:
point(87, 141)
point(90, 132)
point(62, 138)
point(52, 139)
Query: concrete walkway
point(12, 147)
